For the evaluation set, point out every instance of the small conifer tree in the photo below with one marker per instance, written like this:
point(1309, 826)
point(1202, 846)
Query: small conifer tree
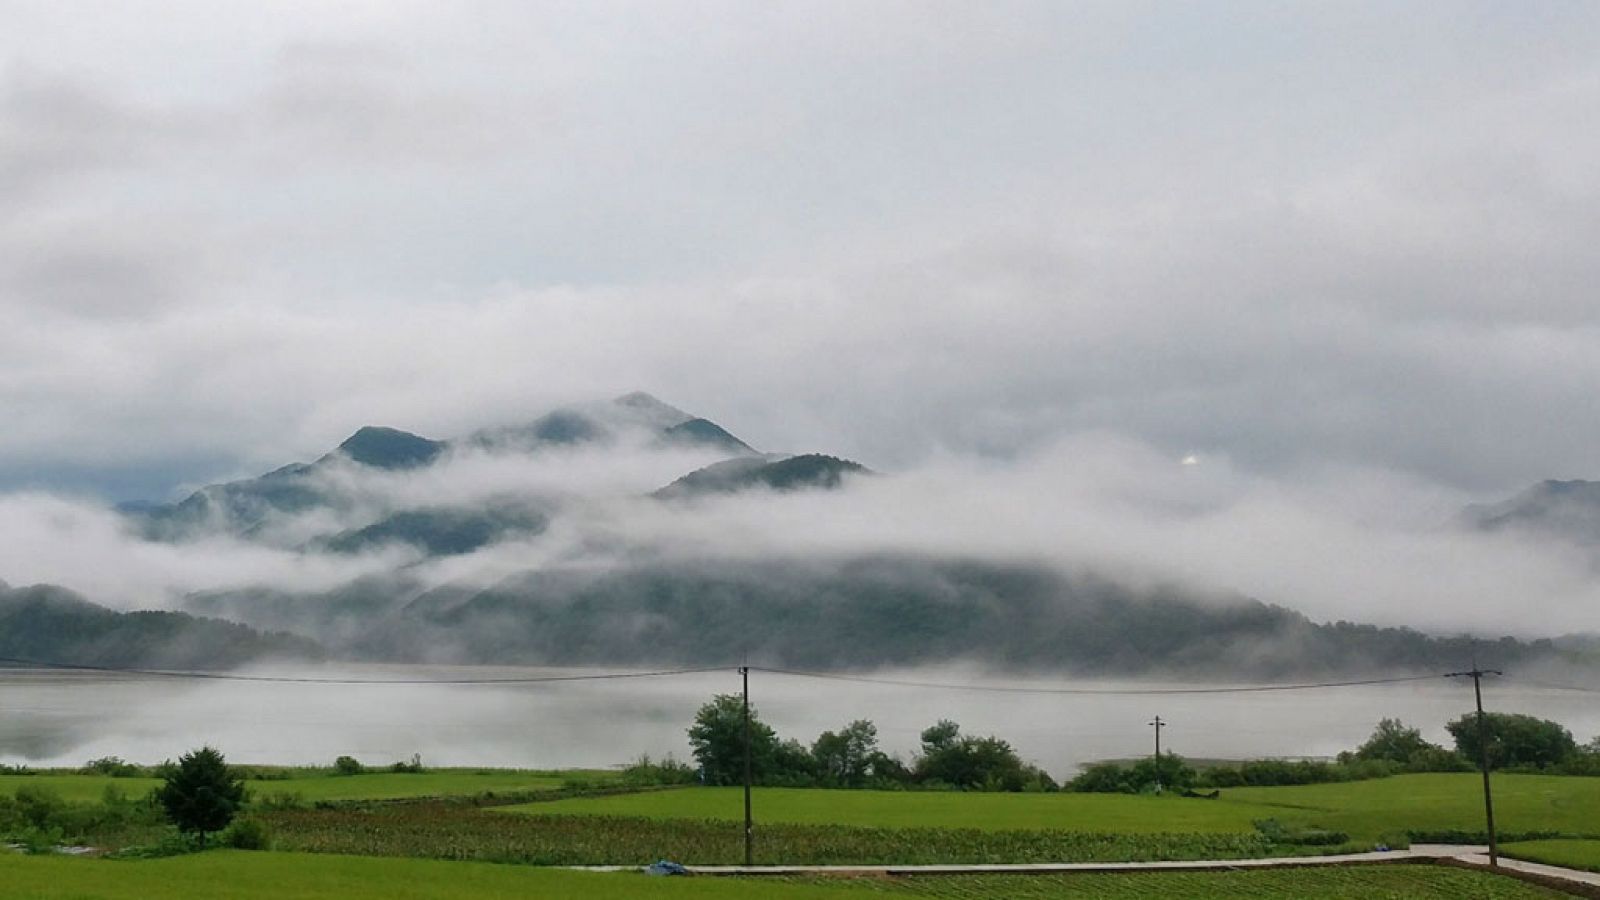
point(201, 794)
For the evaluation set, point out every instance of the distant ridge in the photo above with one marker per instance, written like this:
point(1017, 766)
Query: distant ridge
point(794, 473)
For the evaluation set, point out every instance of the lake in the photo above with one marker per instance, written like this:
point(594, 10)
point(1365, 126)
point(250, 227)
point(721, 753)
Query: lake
point(67, 718)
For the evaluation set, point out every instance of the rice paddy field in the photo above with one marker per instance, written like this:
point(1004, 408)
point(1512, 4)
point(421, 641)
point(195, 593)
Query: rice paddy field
point(1434, 804)
point(237, 875)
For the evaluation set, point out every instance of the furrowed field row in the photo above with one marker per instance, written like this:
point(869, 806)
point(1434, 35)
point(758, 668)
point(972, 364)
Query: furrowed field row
point(1401, 882)
point(444, 831)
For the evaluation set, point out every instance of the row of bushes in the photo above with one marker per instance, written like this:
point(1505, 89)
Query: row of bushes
point(1516, 743)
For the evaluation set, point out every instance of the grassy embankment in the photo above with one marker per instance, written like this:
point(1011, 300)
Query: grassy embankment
point(1573, 854)
point(285, 876)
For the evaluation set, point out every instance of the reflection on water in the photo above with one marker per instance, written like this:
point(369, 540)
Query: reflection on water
point(64, 719)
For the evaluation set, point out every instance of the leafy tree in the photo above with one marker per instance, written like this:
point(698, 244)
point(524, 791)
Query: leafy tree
point(1172, 773)
point(717, 738)
point(975, 763)
point(201, 794)
point(846, 758)
point(1514, 740)
point(348, 765)
point(1393, 740)
point(1104, 778)
point(940, 737)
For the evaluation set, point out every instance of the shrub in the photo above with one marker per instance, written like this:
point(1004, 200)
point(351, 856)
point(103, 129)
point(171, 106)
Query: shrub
point(247, 834)
point(349, 765)
point(645, 772)
point(113, 766)
point(414, 767)
point(1278, 833)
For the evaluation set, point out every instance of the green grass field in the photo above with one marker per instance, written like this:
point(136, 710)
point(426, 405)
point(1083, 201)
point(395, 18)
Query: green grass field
point(323, 786)
point(1572, 854)
point(1363, 809)
point(77, 788)
point(233, 875)
point(914, 809)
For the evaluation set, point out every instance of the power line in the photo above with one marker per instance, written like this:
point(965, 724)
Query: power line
point(1560, 687)
point(1007, 689)
point(286, 679)
point(795, 673)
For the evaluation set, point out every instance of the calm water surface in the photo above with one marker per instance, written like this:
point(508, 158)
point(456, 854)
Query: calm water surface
point(64, 719)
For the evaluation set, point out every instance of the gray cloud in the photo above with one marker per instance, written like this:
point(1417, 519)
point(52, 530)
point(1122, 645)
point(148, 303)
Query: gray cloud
point(1293, 237)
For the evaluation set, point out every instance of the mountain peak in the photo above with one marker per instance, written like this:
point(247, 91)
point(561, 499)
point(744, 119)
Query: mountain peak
point(390, 448)
point(651, 410)
point(706, 433)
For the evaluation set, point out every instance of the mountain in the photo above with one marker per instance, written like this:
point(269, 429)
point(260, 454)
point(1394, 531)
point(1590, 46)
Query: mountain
point(442, 531)
point(865, 612)
point(1564, 509)
point(389, 448)
point(248, 508)
point(705, 433)
point(793, 473)
point(52, 624)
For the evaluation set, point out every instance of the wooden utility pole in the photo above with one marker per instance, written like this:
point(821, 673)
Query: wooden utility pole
point(1158, 725)
point(1477, 675)
point(749, 826)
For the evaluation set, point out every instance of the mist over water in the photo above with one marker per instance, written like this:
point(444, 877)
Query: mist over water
point(65, 719)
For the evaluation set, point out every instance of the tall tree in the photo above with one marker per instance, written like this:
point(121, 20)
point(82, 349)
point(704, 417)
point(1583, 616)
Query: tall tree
point(201, 793)
point(717, 737)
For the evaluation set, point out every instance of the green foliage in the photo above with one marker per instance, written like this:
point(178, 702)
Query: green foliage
point(1394, 741)
point(36, 816)
point(409, 767)
point(202, 795)
point(645, 772)
point(247, 834)
point(284, 876)
point(453, 832)
point(974, 763)
point(1514, 740)
point(1278, 833)
point(348, 765)
point(1172, 774)
point(845, 758)
point(717, 738)
point(113, 767)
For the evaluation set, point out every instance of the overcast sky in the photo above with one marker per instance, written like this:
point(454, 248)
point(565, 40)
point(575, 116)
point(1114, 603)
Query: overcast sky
point(1288, 236)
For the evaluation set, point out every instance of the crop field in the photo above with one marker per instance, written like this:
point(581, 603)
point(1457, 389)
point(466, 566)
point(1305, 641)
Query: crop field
point(1387, 882)
point(1119, 813)
point(316, 785)
point(452, 831)
point(1432, 803)
point(236, 875)
point(241, 875)
point(1573, 854)
point(1365, 810)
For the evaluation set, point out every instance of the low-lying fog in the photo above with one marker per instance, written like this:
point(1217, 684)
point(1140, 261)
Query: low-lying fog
point(65, 719)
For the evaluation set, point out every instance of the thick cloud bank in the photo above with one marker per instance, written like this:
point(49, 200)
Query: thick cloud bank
point(1335, 543)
